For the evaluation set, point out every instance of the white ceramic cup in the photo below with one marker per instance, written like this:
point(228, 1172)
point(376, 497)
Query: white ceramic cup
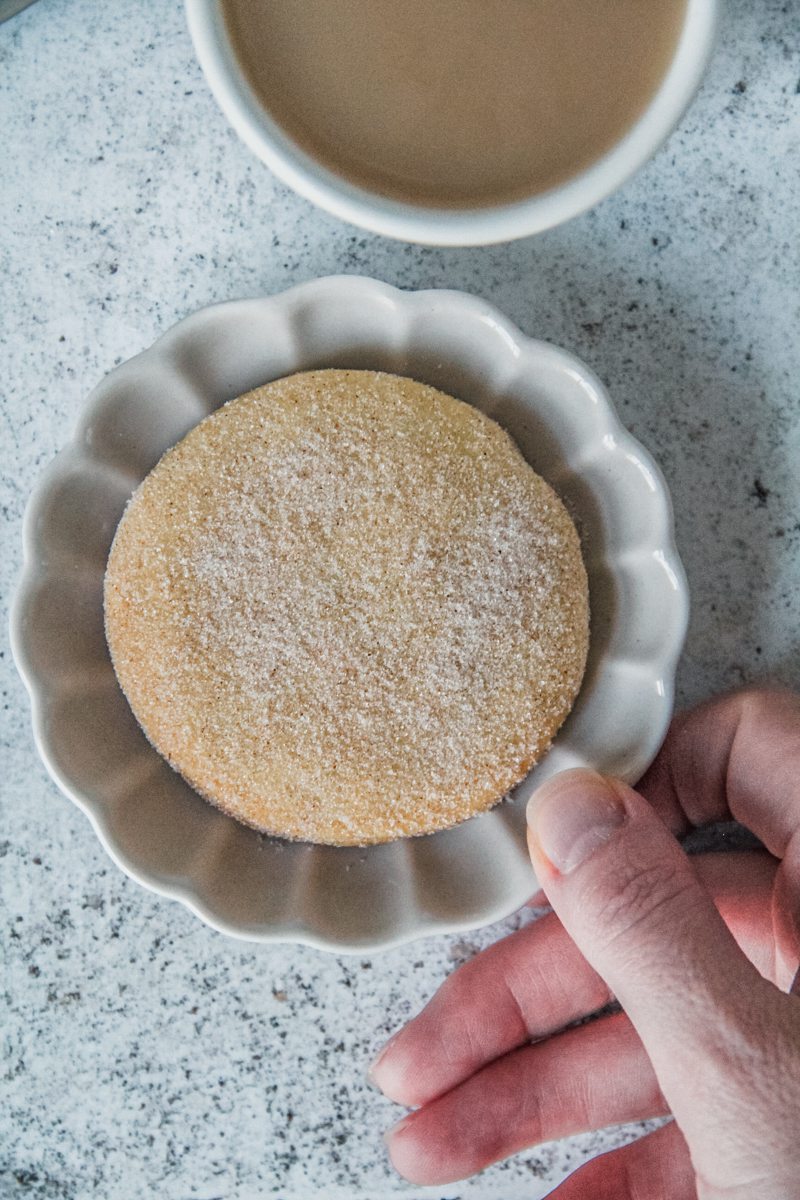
point(448, 227)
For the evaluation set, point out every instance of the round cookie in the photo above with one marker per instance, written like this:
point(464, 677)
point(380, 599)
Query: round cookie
point(347, 610)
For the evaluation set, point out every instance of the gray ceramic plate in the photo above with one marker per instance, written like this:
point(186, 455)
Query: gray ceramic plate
point(151, 822)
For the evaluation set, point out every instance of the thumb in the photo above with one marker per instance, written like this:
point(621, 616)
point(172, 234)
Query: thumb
point(631, 901)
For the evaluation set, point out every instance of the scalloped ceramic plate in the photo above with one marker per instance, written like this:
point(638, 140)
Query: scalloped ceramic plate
point(149, 820)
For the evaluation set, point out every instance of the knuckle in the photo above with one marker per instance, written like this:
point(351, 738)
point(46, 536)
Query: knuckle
point(761, 700)
point(767, 693)
point(650, 894)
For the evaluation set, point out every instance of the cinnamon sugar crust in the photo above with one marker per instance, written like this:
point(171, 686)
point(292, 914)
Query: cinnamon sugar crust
point(346, 609)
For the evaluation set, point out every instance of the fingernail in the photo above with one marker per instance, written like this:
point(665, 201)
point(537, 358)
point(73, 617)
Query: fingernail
point(395, 1129)
point(372, 1068)
point(376, 1062)
point(574, 814)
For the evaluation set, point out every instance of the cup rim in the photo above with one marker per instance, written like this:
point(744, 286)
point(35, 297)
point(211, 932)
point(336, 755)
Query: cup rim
point(448, 226)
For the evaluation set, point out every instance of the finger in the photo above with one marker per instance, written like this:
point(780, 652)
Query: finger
point(736, 756)
point(753, 892)
point(629, 897)
point(656, 1167)
point(526, 986)
point(741, 884)
point(739, 756)
point(585, 1078)
point(786, 909)
point(536, 982)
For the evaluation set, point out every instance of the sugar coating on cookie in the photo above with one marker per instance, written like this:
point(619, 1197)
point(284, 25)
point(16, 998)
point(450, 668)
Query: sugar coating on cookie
point(346, 609)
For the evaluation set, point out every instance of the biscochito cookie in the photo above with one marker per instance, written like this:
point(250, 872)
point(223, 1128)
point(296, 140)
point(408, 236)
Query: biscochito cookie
point(346, 610)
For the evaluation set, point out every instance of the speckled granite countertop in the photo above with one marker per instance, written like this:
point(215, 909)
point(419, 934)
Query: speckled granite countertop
point(143, 1054)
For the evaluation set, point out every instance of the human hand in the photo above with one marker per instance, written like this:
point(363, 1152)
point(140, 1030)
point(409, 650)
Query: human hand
point(707, 1031)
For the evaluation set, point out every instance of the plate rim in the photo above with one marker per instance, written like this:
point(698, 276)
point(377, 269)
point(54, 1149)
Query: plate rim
point(424, 924)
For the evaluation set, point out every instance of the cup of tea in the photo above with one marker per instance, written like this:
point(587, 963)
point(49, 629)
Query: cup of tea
point(459, 122)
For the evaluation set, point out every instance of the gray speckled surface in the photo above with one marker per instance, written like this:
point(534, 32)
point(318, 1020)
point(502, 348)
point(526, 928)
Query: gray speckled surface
point(144, 1054)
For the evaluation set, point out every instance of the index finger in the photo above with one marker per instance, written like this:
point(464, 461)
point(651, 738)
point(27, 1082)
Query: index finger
point(737, 757)
point(526, 986)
